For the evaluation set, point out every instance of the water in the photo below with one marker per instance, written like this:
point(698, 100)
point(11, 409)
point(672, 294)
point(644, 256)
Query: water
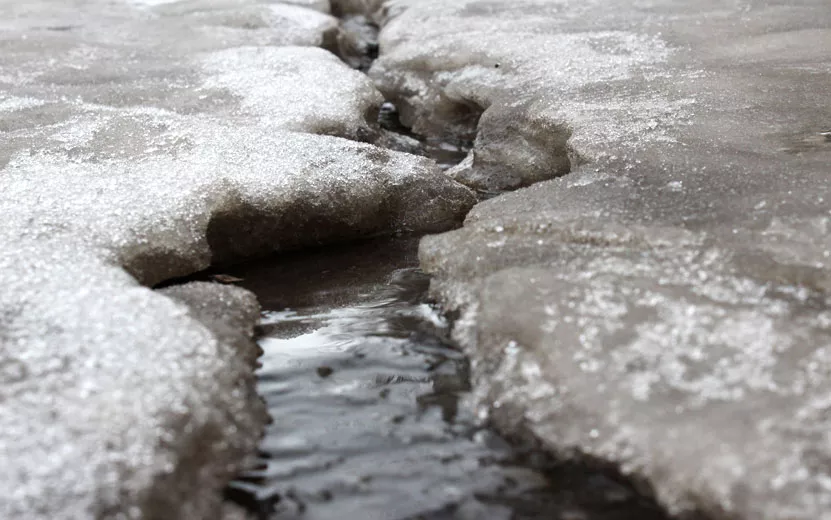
point(447, 151)
point(368, 401)
point(368, 394)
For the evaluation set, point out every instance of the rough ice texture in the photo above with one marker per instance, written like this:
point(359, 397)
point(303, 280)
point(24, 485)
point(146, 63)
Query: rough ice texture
point(143, 141)
point(260, 78)
point(665, 306)
point(525, 72)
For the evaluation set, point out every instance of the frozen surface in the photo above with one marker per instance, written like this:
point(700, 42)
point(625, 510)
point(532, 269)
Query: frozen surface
point(665, 306)
point(143, 141)
point(448, 63)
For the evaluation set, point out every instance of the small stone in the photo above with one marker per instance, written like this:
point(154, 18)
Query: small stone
point(226, 278)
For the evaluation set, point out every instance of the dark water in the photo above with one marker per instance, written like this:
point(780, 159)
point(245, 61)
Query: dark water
point(368, 402)
point(447, 151)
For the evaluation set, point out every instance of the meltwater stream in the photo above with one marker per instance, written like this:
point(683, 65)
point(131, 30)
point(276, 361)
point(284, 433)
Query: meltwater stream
point(368, 406)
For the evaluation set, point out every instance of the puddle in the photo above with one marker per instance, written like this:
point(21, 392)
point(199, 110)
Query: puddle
point(368, 403)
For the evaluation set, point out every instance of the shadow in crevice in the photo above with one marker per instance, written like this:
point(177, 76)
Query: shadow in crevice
point(492, 147)
point(596, 483)
point(447, 150)
point(356, 44)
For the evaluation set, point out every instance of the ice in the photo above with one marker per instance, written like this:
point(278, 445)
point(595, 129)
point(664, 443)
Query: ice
point(515, 66)
point(668, 299)
point(668, 355)
point(117, 399)
point(347, 106)
point(141, 143)
point(254, 22)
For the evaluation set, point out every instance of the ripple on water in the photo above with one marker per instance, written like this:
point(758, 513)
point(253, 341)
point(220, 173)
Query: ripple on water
point(368, 402)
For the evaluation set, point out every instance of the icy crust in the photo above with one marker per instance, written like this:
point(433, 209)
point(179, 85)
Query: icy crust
point(346, 106)
point(685, 363)
point(166, 195)
point(142, 142)
point(665, 306)
point(521, 67)
point(118, 402)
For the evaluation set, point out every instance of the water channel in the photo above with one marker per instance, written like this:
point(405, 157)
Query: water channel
point(368, 400)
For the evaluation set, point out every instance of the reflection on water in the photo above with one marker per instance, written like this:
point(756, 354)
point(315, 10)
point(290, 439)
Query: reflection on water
point(368, 404)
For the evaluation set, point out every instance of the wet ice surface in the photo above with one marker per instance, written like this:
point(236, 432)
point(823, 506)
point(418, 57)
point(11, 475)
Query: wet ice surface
point(145, 140)
point(665, 305)
point(368, 401)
